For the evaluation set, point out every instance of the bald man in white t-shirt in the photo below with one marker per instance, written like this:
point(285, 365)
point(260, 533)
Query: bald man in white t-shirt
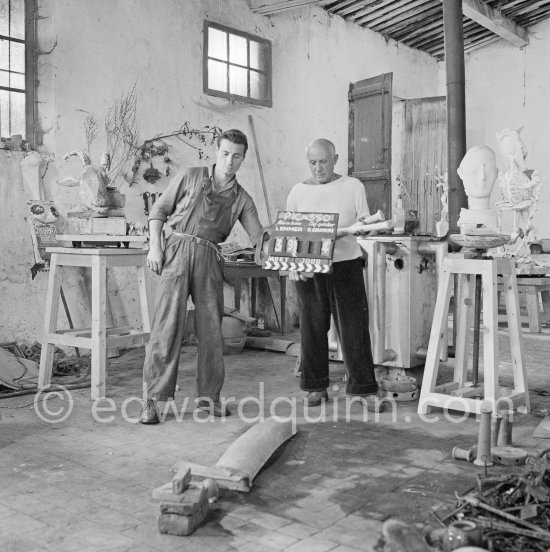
point(341, 293)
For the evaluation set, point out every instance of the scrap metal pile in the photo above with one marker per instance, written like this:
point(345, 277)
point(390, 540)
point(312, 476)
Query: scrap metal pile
point(512, 510)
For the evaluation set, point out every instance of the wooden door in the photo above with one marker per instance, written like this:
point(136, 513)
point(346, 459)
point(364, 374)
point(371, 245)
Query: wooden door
point(424, 155)
point(369, 147)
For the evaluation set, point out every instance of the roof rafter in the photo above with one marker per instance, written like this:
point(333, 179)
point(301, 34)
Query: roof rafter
point(270, 7)
point(482, 13)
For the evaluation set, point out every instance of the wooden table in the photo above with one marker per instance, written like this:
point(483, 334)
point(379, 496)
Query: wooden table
point(235, 272)
point(98, 337)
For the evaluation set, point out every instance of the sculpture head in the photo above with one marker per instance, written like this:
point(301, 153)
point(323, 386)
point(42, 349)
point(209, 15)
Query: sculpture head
point(478, 171)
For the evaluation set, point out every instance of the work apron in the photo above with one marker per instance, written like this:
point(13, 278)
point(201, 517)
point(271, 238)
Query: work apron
point(192, 267)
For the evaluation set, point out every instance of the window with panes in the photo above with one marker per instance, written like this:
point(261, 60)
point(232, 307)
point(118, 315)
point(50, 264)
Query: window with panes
point(237, 65)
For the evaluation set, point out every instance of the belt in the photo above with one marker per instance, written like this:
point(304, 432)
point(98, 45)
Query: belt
point(200, 241)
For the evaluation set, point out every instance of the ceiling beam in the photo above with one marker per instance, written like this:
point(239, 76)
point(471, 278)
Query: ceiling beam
point(270, 7)
point(482, 13)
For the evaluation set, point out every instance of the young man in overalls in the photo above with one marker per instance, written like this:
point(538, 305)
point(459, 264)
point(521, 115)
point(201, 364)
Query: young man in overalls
point(201, 205)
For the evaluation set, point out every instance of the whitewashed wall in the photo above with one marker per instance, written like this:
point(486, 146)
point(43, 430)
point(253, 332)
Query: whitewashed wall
point(508, 88)
point(102, 48)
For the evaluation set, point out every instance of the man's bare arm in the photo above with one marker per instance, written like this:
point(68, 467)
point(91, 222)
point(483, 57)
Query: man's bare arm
point(155, 257)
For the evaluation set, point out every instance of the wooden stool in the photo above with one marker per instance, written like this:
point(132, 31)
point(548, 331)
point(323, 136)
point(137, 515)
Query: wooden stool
point(457, 394)
point(97, 338)
point(531, 287)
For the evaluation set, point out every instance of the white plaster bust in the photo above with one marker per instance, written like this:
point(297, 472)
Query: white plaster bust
point(478, 171)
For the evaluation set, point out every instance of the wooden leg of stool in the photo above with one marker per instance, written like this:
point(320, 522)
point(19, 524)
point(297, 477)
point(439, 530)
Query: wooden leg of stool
point(545, 299)
point(490, 333)
point(516, 340)
point(465, 313)
point(50, 324)
point(437, 335)
point(99, 317)
point(532, 303)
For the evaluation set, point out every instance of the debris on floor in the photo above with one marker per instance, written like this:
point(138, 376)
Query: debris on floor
point(19, 365)
point(507, 513)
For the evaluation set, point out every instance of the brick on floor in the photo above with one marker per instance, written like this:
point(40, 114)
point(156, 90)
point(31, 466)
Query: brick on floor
point(354, 539)
point(312, 544)
point(259, 517)
point(298, 530)
point(316, 519)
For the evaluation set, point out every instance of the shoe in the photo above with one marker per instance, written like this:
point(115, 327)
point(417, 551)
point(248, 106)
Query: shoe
point(315, 398)
point(149, 413)
point(214, 408)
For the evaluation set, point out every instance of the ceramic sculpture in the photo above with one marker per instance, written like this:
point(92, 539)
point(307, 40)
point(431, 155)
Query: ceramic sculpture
point(92, 184)
point(520, 189)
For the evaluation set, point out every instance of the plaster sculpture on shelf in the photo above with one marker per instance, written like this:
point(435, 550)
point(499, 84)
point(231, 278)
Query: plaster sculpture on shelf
point(31, 170)
point(520, 189)
point(442, 227)
point(92, 182)
point(478, 171)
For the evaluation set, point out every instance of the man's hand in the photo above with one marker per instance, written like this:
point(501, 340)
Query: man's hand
point(295, 276)
point(155, 259)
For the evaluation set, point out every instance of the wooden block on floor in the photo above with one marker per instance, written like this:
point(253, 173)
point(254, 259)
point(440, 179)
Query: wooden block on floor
point(165, 493)
point(181, 480)
point(187, 508)
point(183, 525)
point(268, 344)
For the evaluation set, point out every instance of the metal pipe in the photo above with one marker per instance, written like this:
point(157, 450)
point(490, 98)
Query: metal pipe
point(456, 106)
point(380, 353)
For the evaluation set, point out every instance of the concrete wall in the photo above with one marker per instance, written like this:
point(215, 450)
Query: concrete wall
point(101, 49)
point(507, 88)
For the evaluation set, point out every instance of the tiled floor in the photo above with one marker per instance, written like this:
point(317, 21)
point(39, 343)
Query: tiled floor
point(84, 484)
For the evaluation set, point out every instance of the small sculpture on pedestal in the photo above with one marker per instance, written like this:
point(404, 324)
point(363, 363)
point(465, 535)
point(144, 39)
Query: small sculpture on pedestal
point(92, 183)
point(478, 171)
point(100, 209)
point(520, 189)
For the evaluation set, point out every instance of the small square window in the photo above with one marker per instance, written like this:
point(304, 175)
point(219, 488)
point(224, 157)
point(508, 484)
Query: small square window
point(237, 65)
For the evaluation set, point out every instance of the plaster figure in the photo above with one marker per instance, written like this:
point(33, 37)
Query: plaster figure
point(92, 183)
point(31, 169)
point(520, 187)
point(478, 171)
point(442, 227)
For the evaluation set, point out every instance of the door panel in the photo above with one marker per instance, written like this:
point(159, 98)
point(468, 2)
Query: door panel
point(369, 148)
point(424, 157)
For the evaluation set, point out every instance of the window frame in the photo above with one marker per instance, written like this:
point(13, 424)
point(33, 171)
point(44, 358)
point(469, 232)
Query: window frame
point(268, 102)
point(29, 41)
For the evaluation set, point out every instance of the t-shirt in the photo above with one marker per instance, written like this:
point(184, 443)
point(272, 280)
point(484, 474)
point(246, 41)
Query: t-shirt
point(345, 196)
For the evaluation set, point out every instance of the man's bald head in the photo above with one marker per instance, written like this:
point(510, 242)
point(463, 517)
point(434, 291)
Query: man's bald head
point(324, 144)
point(321, 157)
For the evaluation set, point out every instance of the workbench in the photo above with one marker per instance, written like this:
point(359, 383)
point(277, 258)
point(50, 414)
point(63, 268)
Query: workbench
point(531, 289)
point(237, 271)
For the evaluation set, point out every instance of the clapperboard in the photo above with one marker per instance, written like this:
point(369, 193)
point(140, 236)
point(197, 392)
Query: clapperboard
point(299, 241)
